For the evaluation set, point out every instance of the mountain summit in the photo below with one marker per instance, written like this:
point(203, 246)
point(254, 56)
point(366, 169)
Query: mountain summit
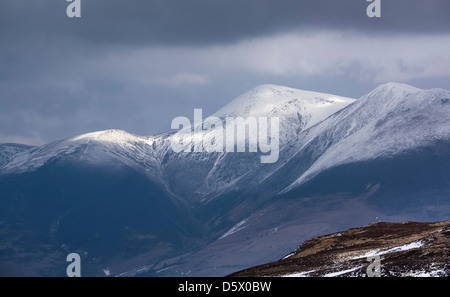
point(297, 108)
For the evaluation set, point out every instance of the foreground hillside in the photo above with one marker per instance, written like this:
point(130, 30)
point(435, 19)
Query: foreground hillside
point(405, 249)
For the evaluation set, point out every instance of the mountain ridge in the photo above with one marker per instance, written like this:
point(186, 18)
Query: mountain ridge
point(293, 106)
point(357, 135)
point(219, 212)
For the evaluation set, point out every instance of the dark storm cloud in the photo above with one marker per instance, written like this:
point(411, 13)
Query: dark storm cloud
point(136, 64)
point(212, 21)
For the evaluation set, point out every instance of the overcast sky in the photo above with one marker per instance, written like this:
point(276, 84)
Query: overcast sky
point(137, 64)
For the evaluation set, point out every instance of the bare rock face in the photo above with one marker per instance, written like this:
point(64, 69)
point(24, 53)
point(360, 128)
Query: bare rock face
point(403, 249)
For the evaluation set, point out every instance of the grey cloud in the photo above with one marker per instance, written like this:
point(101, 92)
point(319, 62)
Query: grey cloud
point(135, 65)
point(172, 22)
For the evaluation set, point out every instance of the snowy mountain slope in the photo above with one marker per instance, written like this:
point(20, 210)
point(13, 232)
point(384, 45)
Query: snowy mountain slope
point(114, 147)
point(214, 173)
point(96, 195)
point(391, 119)
point(297, 109)
point(9, 151)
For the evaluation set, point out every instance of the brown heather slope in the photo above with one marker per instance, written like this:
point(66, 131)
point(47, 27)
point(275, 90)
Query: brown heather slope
point(405, 249)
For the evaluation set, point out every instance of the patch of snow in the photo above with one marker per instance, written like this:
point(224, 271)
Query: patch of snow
point(405, 247)
point(239, 226)
point(378, 252)
point(288, 256)
point(434, 273)
point(337, 273)
point(299, 274)
point(113, 136)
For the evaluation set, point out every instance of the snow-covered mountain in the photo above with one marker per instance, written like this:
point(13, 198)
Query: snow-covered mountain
point(209, 172)
point(342, 162)
point(214, 173)
point(391, 119)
